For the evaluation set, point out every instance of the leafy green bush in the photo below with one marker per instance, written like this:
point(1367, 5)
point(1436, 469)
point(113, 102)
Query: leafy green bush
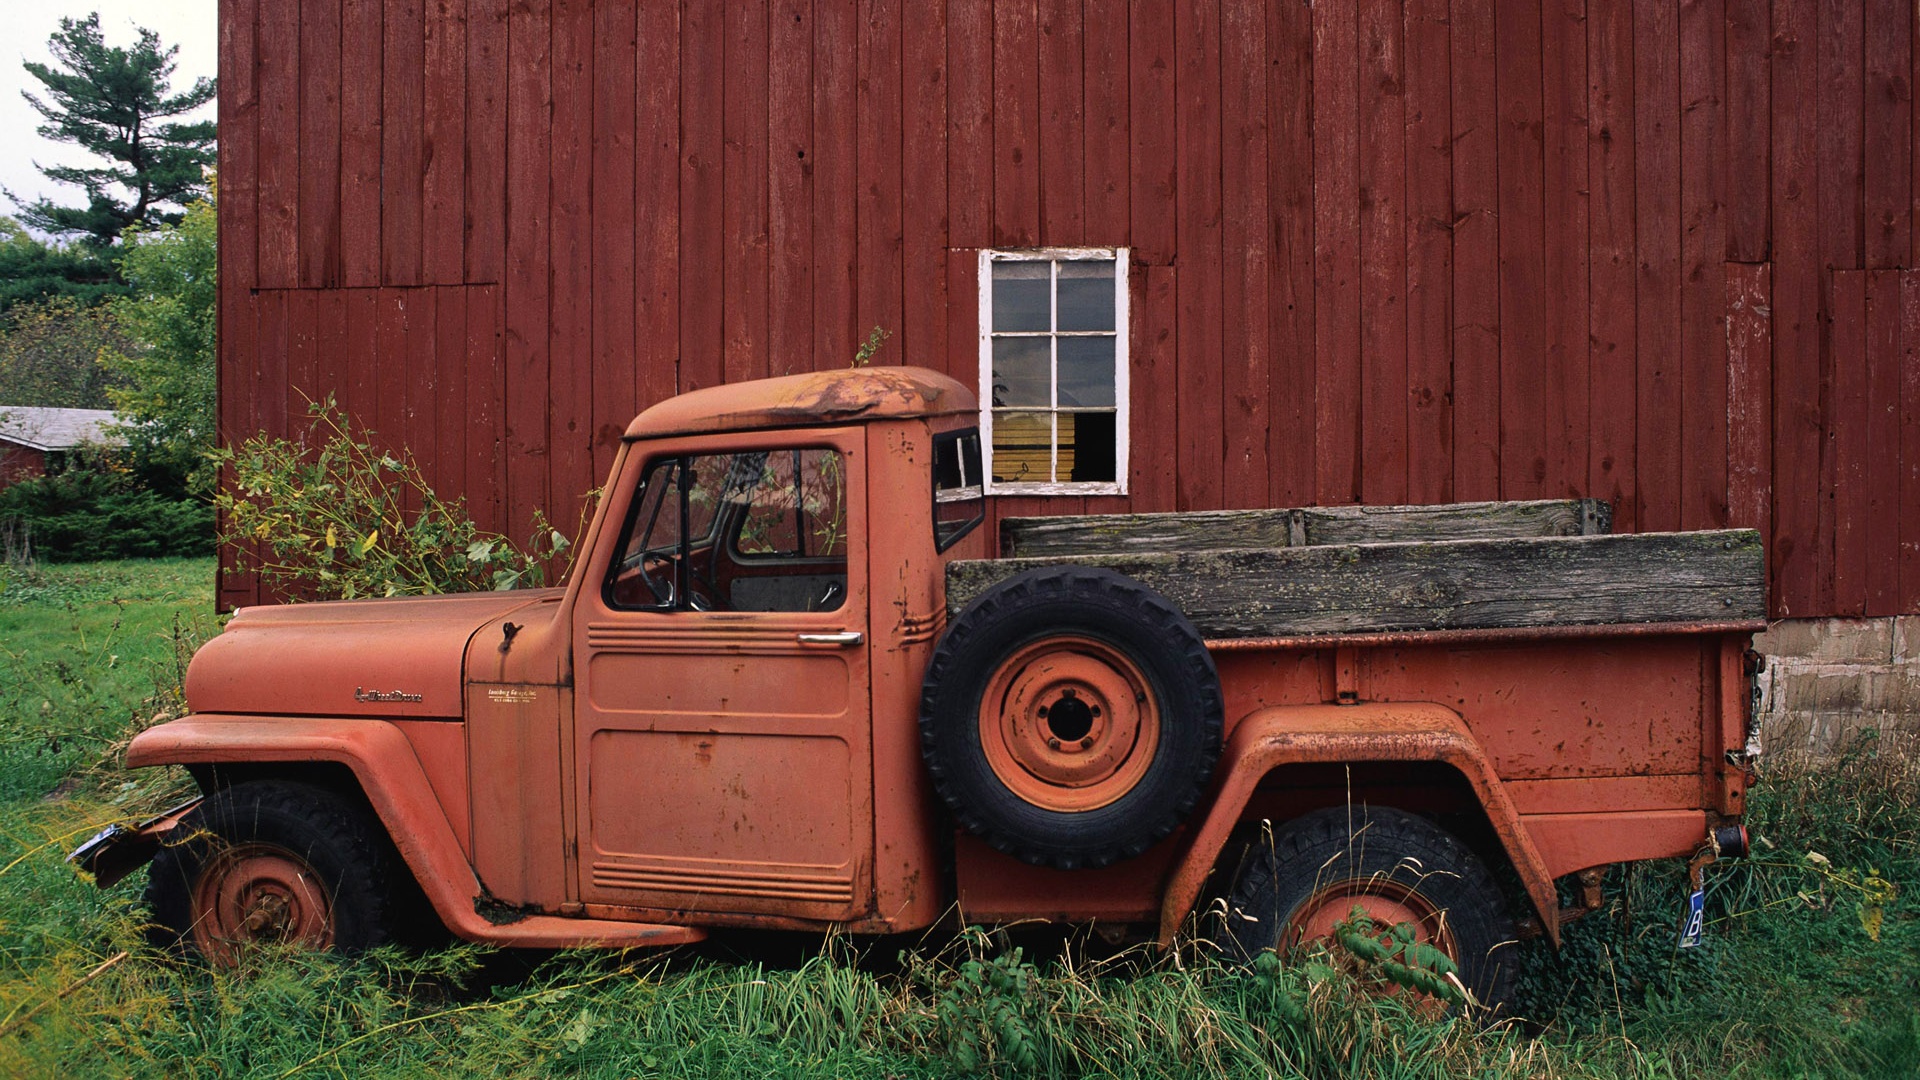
point(91, 511)
point(331, 516)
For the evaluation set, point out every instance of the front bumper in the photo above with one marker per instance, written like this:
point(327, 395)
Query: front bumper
point(116, 851)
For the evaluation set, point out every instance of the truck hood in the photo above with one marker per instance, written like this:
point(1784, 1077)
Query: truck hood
point(397, 657)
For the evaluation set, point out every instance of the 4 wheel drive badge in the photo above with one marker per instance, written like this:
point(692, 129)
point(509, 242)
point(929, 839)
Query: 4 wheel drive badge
point(361, 693)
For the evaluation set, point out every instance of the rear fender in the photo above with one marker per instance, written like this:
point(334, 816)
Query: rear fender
point(383, 763)
point(1313, 734)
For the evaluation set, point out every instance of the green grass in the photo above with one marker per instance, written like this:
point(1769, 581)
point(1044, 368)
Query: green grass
point(82, 648)
point(1790, 983)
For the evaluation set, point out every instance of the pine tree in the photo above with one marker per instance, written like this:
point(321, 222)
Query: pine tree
point(115, 102)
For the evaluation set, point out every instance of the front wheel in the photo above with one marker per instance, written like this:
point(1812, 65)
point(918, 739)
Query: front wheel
point(269, 862)
point(1397, 869)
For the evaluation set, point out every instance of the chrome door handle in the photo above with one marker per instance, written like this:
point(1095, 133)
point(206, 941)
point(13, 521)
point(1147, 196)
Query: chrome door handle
point(843, 638)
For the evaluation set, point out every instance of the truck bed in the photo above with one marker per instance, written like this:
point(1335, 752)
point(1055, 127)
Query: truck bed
point(1360, 570)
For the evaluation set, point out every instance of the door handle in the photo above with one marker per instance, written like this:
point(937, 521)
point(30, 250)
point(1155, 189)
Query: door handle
point(843, 638)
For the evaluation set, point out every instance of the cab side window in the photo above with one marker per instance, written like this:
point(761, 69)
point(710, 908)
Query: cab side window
point(762, 530)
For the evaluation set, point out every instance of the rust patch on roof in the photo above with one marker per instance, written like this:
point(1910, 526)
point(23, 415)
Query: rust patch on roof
point(821, 397)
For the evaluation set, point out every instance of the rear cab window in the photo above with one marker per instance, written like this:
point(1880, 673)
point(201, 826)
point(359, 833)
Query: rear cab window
point(959, 496)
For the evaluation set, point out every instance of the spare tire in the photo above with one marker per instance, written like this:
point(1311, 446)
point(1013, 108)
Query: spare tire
point(1070, 717)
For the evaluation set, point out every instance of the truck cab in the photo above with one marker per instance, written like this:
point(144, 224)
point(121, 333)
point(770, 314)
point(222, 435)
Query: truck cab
point(737, 661)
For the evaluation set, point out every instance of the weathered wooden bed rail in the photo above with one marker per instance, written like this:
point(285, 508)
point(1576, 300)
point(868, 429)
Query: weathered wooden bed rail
point(1216, 530)
point(1281, 591)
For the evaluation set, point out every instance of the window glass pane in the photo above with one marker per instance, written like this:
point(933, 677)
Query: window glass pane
point(772, 528)
point(797, 507)
point(1086, 447)
point(823, 503)
point(1022, 448)
point(656, 522)
point(790, 538)
point(1020, 300)
point(1020, 372)
point(958, 496)
point(647, 571)
point(1086, 295)
point(956, 461)
point(1086, 372)
point(705, 477)
point(763, 531)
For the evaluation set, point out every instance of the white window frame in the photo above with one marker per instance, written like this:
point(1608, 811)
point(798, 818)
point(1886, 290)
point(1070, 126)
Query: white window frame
point(1121, 368)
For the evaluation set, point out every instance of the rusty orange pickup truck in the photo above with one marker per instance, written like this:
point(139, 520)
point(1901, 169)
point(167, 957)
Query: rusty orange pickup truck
point(788, 685)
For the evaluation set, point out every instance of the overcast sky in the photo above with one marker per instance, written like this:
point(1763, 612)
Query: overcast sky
point(190, 24)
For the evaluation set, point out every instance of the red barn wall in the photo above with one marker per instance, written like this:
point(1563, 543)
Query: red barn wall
point(19, 463)
point(1383, 250)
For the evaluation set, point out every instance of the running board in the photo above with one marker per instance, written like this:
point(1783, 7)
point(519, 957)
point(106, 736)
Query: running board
point(554, 932)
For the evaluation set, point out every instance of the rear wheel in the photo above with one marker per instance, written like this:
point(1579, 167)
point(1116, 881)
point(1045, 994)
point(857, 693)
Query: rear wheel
point(1394, 867)
point(272, 862)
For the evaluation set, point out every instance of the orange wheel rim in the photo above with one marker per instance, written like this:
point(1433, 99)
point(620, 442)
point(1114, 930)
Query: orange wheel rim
point(1386, 902)
point(1069, 724)
point(257, 893)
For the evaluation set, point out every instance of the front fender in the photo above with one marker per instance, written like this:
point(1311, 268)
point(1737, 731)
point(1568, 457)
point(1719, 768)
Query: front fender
point(381, 759)
point(1384, 731)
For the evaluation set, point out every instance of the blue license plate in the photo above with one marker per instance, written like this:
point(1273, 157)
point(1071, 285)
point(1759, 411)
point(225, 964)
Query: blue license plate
point(1695, 927)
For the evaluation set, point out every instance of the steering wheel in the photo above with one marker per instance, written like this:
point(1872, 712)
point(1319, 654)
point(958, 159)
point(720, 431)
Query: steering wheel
point(647, 563)
point(657, 569)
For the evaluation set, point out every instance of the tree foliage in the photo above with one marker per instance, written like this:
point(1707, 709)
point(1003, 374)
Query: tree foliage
point(117, 103)
point(51, 350)
point(164, 384)
point(32, 270)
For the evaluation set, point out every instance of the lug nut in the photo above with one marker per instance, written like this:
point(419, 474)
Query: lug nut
point(1053, 744)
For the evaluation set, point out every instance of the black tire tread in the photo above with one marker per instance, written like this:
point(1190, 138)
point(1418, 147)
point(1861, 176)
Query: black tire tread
point(343, 841)
point(982, 627)
point(1303, 849)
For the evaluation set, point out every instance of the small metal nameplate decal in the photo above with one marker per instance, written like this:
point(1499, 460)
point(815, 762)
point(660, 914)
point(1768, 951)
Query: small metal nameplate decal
point(361, 693)
point(510, 695)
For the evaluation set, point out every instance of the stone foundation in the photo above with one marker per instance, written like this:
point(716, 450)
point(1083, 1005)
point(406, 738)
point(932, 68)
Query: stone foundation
point(1826, 679)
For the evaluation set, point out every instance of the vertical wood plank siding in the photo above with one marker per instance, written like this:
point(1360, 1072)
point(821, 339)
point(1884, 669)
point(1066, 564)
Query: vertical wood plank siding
point(1659, 252)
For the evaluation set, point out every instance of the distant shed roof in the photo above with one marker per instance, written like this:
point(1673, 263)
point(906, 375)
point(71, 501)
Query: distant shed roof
point(44, 428)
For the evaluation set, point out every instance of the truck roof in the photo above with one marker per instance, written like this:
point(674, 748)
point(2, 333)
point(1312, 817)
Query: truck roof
point(820, 397)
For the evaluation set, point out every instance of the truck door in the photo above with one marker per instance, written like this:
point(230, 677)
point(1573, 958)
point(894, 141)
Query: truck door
point(722, 739)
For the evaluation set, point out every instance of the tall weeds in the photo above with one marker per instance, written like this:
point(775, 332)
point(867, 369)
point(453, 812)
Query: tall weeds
point(329, 515)
point(1812, 961)
point(1788, 985)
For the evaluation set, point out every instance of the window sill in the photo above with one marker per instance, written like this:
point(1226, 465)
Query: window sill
point(1057, 489)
